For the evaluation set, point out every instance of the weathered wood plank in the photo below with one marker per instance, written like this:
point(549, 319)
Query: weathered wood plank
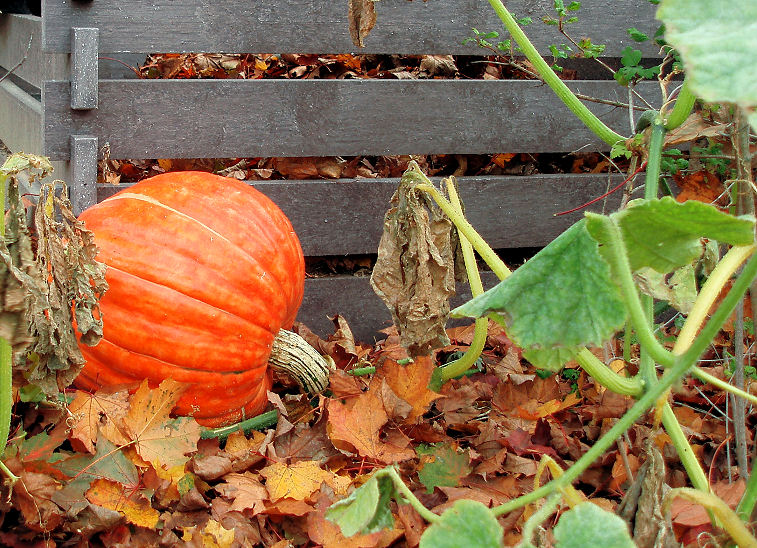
point(320, 26)
point(353, 298)
point(20, 119)
point(248, 118)
point(346, 217)
point(16, 31)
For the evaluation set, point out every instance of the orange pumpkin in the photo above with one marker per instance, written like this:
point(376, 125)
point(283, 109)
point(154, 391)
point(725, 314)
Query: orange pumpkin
point(203, 272)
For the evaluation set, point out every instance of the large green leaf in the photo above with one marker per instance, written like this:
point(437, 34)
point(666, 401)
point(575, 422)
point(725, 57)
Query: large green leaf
point(467, 523)
point(441, 466)
point(560, 300)
point(589, 525)
point(665, 234)
point(717, 42)
point(366, 510)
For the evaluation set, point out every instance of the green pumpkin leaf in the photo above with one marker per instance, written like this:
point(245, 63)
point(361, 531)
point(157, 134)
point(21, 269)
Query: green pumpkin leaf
point(366, 510)
point(442, 466)
point(717, 42)
point(467, 523)
point(589, 525)
point(665, 235)
point(560, 300)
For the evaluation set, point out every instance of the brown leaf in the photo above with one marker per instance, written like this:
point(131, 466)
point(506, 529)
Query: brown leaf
point(695, 127)
point(415, 269)
point(100, 412)
point(245, 490)
point(357, 425)
point(410, 383)
point(362, 17)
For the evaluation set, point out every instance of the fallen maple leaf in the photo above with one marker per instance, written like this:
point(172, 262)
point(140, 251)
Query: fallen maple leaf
point(99, 412)
point(357, 425)
point(300, 480)
point(157, 438)
point(245, 491)
point(134, 506)
point(410, 383)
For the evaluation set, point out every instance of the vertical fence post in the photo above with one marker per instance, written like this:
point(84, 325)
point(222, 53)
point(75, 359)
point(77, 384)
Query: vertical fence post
point(83, 172)
point(84, 96)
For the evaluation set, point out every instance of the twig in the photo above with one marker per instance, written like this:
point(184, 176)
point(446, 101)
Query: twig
point(587, 204)
point(21, 62)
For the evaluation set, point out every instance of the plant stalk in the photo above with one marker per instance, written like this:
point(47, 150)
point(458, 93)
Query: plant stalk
point(6, 353)
point(552, 79)
point(462, 364)
point(607, 377)
point(258, 422)
point(682, 108)
point(680, 366)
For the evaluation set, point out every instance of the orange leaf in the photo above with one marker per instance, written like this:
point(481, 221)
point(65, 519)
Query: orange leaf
point(410, 382)
point(357, 424)
point(134, 506)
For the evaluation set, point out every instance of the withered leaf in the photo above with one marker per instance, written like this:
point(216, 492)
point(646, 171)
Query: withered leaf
point(362, 17)
point(70, 282)
point(414, 273)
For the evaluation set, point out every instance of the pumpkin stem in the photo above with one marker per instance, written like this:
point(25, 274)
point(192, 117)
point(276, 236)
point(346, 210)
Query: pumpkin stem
point(291, 353)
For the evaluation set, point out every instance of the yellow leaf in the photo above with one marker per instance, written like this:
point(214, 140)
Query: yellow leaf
point(133, 505)
point(159, 439)
point(294, 481)
point(215, 536)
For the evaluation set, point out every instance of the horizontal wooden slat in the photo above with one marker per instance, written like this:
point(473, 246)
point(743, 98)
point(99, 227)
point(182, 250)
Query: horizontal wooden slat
point(249, 118)
point(320, 26)
point(346, 217)
point(353, 298)
point(22, 35)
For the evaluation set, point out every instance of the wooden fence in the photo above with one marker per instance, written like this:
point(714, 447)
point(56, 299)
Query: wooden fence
point(64, 103)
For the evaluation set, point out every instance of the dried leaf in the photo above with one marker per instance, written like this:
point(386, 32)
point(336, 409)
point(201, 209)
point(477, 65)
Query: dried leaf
point(246, 492)
point(63, 289)
point(357, 424)
point(159, 439)
point(362, 17)
point(134, 506)
point(410, 383)
point(415, 269)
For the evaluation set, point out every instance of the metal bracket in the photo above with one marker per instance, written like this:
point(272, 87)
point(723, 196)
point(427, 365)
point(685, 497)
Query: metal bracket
point(84, 68)
point(83, 172)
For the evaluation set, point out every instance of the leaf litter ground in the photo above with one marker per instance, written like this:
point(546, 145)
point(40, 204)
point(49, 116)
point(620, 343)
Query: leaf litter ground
point(119, 470)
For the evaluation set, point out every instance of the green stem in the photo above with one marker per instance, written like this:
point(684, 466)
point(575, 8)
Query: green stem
point(682, 108)
point(683, 448)
point(656, 141)
point(679, 368)
point(258, 422)
point(618, 259)
point(362, 371)
point(6, 355)
point(552, 80)
point(723, 385)
point(538, 517)
point(462, 364)
point(748, 500)
point(719, 276)
point(607, 377)
point(408, 495)
point(723, 312)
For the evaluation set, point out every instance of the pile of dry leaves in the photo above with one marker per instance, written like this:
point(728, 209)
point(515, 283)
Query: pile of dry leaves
point(120, 471)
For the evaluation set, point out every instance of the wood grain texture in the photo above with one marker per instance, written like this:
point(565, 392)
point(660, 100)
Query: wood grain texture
point(15, 34)
point(321, 26)
point(353, 298)
point(20, 119)
point(248, 118)
point(346, 217)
